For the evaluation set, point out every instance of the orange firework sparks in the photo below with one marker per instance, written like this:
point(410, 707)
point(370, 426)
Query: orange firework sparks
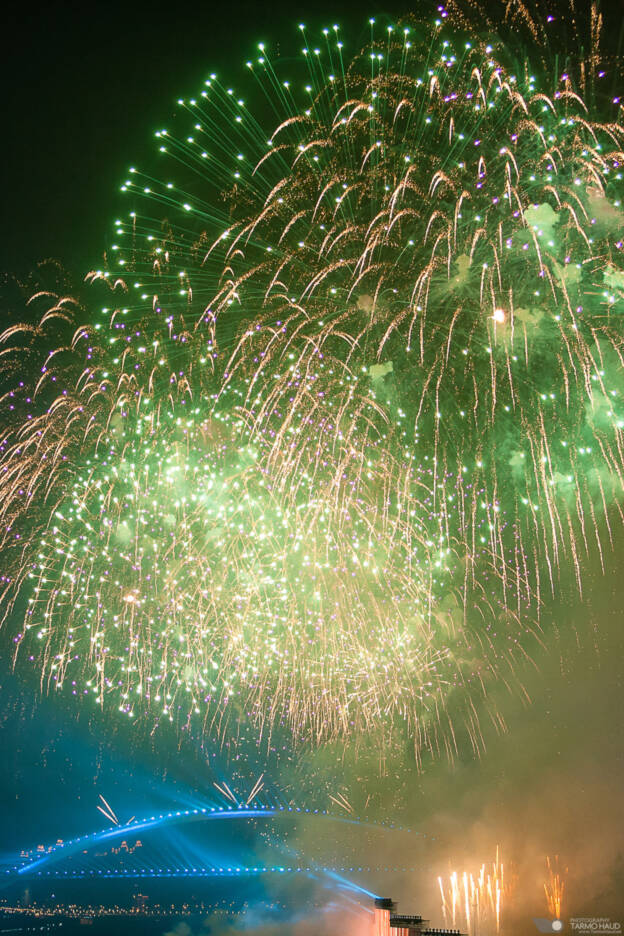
point(475, 901)
point(554, 886)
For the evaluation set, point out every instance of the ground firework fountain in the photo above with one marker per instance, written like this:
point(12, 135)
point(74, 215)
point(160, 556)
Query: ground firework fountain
point(476, 900)
point(554, 886)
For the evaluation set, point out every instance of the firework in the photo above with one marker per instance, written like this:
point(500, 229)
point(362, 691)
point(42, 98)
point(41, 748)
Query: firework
point(323, 452)
point(108, 811)
point(554, 887)
point(476, 900)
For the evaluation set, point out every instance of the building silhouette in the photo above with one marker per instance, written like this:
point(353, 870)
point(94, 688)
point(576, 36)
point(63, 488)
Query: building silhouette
point(387, 922)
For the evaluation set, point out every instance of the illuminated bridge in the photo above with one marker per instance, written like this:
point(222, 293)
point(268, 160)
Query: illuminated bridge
point(218, 842)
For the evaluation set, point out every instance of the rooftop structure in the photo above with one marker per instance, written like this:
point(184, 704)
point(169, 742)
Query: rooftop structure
point(387, 922)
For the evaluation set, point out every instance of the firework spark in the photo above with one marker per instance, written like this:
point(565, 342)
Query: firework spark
point(107, 811)
point(476, 900)
point(554, 887)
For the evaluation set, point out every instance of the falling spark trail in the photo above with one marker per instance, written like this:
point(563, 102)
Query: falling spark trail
point(341, 801)
point(108, 816)
point(225, 791)
point(554, 887)
point(259, 785)
point(110, 809)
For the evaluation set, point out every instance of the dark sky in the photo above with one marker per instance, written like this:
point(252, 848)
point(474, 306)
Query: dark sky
point(84, 86)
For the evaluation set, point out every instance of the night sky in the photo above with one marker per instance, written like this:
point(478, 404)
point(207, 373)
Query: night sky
point(83, 88)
